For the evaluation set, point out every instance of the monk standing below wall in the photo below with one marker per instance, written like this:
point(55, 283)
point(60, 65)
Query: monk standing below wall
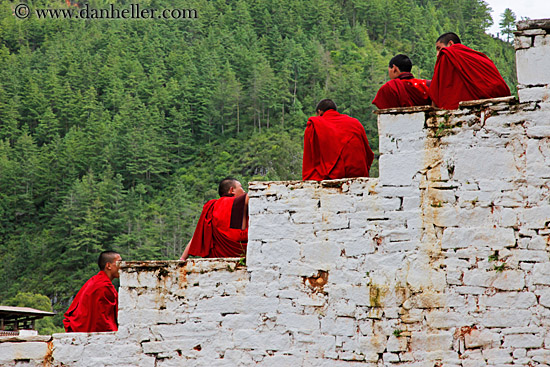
point(222, 230)
point(335, 146)
point(462, 74)
point(95, 307)
point(403, 89)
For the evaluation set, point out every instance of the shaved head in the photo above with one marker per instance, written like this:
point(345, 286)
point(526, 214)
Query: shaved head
point(106, 257)
point(449, 36)
point(402, 62)
point(226, 184)
point(325, 105)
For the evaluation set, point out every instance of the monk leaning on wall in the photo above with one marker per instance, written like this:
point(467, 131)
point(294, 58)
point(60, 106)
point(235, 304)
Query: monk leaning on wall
point(462, 74)
point(335, 146)
point(95, 307)
point(222, 230)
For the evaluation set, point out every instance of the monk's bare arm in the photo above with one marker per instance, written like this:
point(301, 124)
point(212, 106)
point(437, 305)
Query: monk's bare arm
point(245, 213)
point(186, 251)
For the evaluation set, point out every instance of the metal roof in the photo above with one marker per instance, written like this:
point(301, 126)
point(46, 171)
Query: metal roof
point(23, 311)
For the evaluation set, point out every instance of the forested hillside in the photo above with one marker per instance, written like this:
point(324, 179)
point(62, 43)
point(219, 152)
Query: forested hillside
point(113, 133)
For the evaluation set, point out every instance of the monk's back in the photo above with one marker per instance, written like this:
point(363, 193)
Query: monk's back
point(335, 146)
point(221, 219)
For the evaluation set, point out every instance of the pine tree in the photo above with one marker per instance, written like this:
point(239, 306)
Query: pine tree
point(508, 23)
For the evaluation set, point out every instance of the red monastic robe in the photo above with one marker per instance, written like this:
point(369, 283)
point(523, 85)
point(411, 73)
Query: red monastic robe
point(462, 74)
point(218, 232)
point(335, 146)
point(403, 91)
point(95, 307)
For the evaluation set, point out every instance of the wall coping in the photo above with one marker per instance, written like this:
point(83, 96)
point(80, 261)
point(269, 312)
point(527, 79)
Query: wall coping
point(22, 339)
point(533, 24)
point(510, 100)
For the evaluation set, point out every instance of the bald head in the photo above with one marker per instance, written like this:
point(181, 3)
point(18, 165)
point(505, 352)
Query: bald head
point(107, 257)
point(230, 186)
point(445, 38)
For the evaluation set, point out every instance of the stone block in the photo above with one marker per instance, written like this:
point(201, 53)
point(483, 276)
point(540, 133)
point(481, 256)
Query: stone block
point(374, 343)
point(344, 326)
point(456, 217)
point(509, 280)
point(497, 163)
point(396, 344)
point(534, 94)
point(532, 68)
point(320, 254)
point(264, 340)
point(506, 318)
point(523, 42)
point(491, 238)
point(333, 221)
point(337, 203)
point(270, 226)
point(535, 217)
point(390, 358)
point(279, 252)
point(302, 323)
point(421, 276)
point(540, 356)
point(481, 338)
point(446, 319)
point(9, 352)
point(497, 355)
point(538, 156)
point(541, 274)
point(506, 299)
point(400, 168)
point(522, 341)
point(544, 297)
point(406, 125)
point(358, 247)
point(421, 341)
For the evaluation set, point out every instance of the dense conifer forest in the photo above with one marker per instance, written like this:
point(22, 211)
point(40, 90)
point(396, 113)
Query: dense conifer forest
point(113, 133)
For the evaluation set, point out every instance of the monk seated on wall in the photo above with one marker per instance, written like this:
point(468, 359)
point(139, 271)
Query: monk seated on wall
point(403, 90)
point(222, 230)
point(462, 74)
point(335, 146)
point(95, 307)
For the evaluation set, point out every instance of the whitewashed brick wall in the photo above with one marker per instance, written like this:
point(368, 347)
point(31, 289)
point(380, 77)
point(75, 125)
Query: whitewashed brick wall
point(441, 261)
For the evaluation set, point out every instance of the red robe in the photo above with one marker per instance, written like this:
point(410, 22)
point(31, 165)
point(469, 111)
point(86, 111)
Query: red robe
point(95, 307)
point(218, 232)
point(335, 146)
point(403, 91)
point(462, 74)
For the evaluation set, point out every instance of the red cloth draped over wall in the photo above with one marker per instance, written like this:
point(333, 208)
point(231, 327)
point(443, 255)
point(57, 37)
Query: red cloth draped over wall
point(214, 235)
point(335, 146)
point(403, 91)
point(95, 307)
point(462, 74)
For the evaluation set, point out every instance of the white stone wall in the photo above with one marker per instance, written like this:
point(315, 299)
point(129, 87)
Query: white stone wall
point(441, 261)
point(28, 351)
point(532, 41)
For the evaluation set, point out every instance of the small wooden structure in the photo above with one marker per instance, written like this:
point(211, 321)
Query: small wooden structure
point(13, 319)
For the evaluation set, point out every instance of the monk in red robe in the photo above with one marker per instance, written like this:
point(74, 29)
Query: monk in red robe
point(95, 307)
point(335, 146)
point(222, 230)
point(462, 74)
point(403, 90)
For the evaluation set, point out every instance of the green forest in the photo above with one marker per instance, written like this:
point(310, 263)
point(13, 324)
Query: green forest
point(113, 133)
